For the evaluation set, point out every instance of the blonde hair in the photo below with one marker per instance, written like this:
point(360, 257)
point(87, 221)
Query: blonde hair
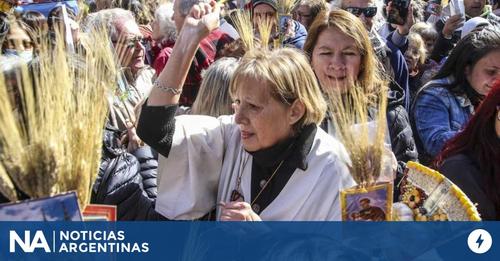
point(371, 77)
point(289, 77)
point(426, 30)
point(416, 40)
point(213, 97)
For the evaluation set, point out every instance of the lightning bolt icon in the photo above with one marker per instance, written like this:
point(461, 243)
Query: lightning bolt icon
point(479, 241)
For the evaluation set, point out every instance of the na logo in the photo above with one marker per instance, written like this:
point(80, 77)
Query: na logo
point(28, 245)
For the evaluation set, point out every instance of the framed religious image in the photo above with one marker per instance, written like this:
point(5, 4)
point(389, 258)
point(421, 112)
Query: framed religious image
point(372, 203)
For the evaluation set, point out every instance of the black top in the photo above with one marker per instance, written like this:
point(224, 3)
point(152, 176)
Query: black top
point(156, 128)
point(464, 172)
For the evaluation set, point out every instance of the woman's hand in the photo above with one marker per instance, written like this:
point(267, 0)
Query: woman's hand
point(451, 25)
point(238, 211)
point(404, 29)
point(202, 19)
point(131, 139)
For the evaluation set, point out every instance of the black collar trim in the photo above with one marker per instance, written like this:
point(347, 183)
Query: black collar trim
point(294, 150)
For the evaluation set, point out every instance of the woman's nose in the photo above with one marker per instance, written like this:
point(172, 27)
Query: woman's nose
point(239, 116)
point(337, 62)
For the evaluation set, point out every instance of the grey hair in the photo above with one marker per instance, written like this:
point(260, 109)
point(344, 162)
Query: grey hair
point(163, 16)
point(378, 19)
point(108, 18)
point(214, 97)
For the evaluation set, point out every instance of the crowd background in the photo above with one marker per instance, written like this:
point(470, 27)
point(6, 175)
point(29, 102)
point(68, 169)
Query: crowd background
point(437, 69)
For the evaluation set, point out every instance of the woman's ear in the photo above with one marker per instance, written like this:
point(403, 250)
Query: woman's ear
point(297, 110)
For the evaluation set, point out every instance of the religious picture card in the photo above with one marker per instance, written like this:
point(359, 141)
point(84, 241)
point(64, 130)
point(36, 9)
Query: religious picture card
point(372, 203)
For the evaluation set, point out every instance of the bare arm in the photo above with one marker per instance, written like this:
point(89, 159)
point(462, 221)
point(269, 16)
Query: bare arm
point(202, 19)
point(156, 124)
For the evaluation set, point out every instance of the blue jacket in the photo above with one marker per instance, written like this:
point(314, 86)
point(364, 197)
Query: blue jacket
point(394, 63)
point(437, 116)
point(401, 74)
point(300, 36)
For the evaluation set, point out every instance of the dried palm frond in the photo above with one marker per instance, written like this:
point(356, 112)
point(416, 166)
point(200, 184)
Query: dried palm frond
point(363, 137)
point(242, 21)
point(286, 6)
point(7, 188)
point(265, 29)
point(53, 118)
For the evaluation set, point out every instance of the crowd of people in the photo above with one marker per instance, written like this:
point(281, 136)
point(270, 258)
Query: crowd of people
point(211, 129)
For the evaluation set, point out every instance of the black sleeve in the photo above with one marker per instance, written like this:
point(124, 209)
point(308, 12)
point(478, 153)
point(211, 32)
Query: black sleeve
point(156, 127)
point(402, 141)
point(442, 46)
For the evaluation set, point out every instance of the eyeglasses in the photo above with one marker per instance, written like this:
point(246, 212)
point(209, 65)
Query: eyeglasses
point(370, 11)
point(130, 42)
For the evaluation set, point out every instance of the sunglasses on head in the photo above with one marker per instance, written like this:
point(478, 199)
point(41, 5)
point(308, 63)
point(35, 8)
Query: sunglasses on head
point(370, 11)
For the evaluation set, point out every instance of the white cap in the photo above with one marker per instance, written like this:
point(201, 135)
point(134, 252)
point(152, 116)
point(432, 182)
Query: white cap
point(472, 24)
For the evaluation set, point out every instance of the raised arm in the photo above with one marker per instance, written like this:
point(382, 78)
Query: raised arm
point(157, 123)
point(202, 19)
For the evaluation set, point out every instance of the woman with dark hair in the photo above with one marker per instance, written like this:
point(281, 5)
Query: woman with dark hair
point(18, 41)
point(472, 159)
point(444, 105)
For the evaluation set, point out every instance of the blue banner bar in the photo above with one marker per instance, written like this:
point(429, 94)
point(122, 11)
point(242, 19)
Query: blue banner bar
point(249, 241)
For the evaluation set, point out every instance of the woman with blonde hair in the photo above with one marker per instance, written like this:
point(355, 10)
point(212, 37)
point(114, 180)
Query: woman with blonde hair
point(213, 98)
point(269, 161)
point(415, 56)
point(342, 57)
point(428, 34)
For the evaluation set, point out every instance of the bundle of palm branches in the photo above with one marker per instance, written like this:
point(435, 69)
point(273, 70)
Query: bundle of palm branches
point(360, 124)
point(244, 26)
point(242, 21)
point(52, 116)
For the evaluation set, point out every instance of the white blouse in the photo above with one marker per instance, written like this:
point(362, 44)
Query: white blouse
point(207, 156)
